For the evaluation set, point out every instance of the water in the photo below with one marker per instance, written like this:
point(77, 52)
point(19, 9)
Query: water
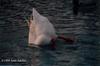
point(84, 27)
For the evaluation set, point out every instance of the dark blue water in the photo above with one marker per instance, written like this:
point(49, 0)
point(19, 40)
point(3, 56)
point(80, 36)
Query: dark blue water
point(84, 52)
point(84, 27)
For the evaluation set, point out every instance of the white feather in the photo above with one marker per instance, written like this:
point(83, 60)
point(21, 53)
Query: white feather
point(41, 30)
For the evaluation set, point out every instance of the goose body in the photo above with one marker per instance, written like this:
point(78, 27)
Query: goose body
point(41, 30)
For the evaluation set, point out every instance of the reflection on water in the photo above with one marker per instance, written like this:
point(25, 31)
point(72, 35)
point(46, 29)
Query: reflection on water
point(42, 57)
point(85, 52)
point(82, 53)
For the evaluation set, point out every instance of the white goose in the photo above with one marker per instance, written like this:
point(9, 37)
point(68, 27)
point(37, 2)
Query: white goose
point(41, 31)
